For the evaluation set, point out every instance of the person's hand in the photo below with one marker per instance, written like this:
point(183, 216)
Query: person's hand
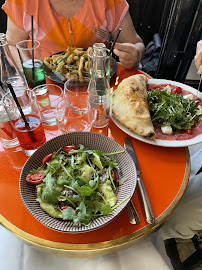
point(128, 54)
point(198, 57)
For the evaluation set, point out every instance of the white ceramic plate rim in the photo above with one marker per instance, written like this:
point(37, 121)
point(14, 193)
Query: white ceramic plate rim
point(166, 143)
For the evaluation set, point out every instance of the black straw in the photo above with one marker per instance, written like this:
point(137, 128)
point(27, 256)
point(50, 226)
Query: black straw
point(114, 42)
point(32, 30)
point(30, 132)
point(18, 105)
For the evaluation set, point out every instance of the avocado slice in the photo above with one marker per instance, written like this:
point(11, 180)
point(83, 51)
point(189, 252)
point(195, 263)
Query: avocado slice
point(109, 195)
point(96, 160)
point(87, 173)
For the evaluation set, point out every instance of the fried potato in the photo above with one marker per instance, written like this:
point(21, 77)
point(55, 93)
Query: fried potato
point(59, 67)
point(72, 62)
point(48, 61)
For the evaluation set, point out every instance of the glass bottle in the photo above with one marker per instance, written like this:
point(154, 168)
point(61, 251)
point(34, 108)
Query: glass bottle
point(99, 92)
point(107, 58)
point(9, 71)
point(98, 45)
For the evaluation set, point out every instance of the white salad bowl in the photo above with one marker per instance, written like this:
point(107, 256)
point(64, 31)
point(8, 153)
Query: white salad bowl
point(90, 140)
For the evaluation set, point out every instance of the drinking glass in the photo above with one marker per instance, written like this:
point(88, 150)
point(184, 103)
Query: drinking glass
point(31, 61)
point(107, 61)
point(28, 129)
point(73, 120)
point(7, 135)
point(48, 101)
point(73, 88)
point(99, 108)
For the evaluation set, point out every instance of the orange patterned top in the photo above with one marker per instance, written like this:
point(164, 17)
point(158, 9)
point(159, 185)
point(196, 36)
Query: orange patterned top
point(55, 32)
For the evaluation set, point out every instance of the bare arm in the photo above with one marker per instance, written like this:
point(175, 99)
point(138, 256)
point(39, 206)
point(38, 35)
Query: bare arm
point(198, 57)
point(14, 35)
point(130, 47)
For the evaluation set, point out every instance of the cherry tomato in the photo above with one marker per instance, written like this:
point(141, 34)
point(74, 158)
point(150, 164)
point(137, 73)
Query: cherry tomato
point(188, 131)
point(46, 158)
point(68, 148)
point(35, 178)
point(177, 90)
point(113, 175)
point(63, 207)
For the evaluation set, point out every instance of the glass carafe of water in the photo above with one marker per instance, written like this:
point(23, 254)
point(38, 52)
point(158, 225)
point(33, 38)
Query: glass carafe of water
point(9, 71)
point(99, 92)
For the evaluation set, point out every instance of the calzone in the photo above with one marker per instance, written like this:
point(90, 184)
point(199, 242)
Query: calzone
point(130, 106)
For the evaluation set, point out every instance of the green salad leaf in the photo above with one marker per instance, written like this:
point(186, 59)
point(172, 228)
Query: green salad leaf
point(172, 110)
point(78, 185)
point(103, 209)
point(84, 215)
point(50, 192)
point(69, 213)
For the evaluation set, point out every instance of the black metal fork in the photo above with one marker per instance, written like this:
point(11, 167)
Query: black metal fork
point(103, 34)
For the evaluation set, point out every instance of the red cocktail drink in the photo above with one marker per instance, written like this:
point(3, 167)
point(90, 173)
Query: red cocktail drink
point(25, 118)
point(33, 137)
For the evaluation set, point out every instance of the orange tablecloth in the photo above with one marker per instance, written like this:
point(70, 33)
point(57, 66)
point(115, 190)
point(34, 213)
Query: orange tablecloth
point(164, 171)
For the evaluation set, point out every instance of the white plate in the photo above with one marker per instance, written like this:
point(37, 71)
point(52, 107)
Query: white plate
point(174, 143)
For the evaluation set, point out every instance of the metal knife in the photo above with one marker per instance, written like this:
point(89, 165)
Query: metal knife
point(143, 194)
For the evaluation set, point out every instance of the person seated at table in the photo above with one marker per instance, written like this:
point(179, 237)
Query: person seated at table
point(62, 23)
point(186, 219)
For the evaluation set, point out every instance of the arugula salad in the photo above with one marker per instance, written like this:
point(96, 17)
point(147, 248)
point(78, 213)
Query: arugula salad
point(172, 110)
point(76, 183)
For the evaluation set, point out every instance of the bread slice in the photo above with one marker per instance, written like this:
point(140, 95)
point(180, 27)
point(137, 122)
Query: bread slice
point(130, 106)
